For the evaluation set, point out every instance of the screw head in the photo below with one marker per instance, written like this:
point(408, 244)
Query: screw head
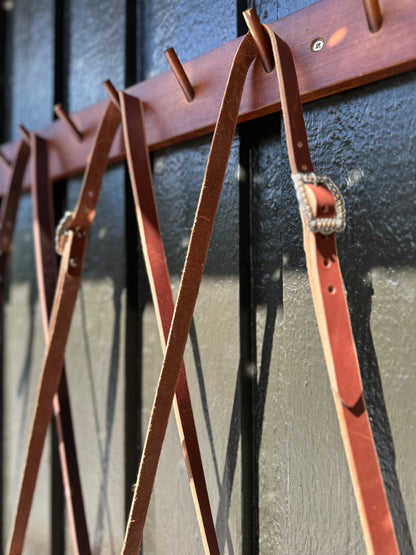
point(73, 262)
point(317, 44)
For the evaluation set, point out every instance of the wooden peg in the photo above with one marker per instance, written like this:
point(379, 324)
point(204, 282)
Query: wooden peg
point(373, 14)
point(66, 118)
point(5, 160)
point(180, 74)
point(112, 92)
point(24, 133)
point(262, 42)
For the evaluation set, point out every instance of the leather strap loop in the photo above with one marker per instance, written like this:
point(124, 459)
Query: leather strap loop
point(157, 271)
point(47, 273)
point(67, 288)
point(188, 292)
point(334, 325)
point(329, 300)
point(327, 291)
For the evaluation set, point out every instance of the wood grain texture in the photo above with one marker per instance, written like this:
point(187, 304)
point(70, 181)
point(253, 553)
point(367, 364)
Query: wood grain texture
point(351, 57)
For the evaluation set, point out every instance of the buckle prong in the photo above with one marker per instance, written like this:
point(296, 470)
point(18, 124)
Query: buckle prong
point(61, 231)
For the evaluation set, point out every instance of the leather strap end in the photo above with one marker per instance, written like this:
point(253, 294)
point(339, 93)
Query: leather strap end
point(330, 303)
point(73, 253)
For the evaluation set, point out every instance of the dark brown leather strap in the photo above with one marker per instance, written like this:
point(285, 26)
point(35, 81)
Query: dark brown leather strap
point(157, 271)
point(321, 209)
point(47, 274)
point(188, 292)
point(73, 243)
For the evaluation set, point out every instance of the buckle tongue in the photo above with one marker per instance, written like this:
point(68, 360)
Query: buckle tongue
point(325, 226)
point(62, 230)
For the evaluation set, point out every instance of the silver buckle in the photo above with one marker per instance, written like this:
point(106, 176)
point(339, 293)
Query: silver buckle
point(62, 230)
point(325, 226)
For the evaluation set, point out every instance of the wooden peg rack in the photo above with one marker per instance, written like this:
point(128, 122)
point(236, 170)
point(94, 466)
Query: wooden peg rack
point(333, 48)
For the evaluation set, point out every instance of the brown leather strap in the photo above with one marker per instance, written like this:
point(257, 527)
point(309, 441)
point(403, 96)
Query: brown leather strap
point(157, 271)
point(10, 202)
point(74, 240)
point(47, 273)
point(188, 292)
point(8, 213)
point(333, 317)
point(328, 296)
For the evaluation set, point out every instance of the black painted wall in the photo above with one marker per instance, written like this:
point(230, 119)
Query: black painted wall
point(272, 450)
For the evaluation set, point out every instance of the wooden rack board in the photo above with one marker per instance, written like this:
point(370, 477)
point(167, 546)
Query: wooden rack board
point(351, 56)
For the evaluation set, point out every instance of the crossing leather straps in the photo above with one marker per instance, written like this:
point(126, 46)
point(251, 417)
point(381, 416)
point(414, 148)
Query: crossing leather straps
point(73, 243)
point(188, 292)
point(322, 213)
point(157, 271)
point(47, 273)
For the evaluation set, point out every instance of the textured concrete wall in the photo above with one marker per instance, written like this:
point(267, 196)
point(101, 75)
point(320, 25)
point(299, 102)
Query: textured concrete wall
point(272, 450)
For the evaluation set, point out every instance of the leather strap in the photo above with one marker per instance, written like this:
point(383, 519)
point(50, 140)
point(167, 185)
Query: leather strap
point(8, 213)
point(157, 271)
point(334, 322)
point(329, 299)
point(74, 241)
point(188, 292)
point(47, 273)
point(326, 284)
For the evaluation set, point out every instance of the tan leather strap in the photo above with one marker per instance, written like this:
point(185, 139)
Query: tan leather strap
point(73, 243)
point(157, 271)
point(47, 273)
point(188, 292)
point(333, 317)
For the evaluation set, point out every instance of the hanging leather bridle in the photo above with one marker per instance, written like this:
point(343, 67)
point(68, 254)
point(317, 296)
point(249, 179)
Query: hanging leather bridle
point(157, 271)
point(46, 267)
point(323, 215)
point(71, 240)
point(47, 273)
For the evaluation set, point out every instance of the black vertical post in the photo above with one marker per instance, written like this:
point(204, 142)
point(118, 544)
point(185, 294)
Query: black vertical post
point(59, 200)
point(132, 400)
point(248, 373)
point(248, 369)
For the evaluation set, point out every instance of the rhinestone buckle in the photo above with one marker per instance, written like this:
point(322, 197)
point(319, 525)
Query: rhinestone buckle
point(325, 226)
point(62, 230)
